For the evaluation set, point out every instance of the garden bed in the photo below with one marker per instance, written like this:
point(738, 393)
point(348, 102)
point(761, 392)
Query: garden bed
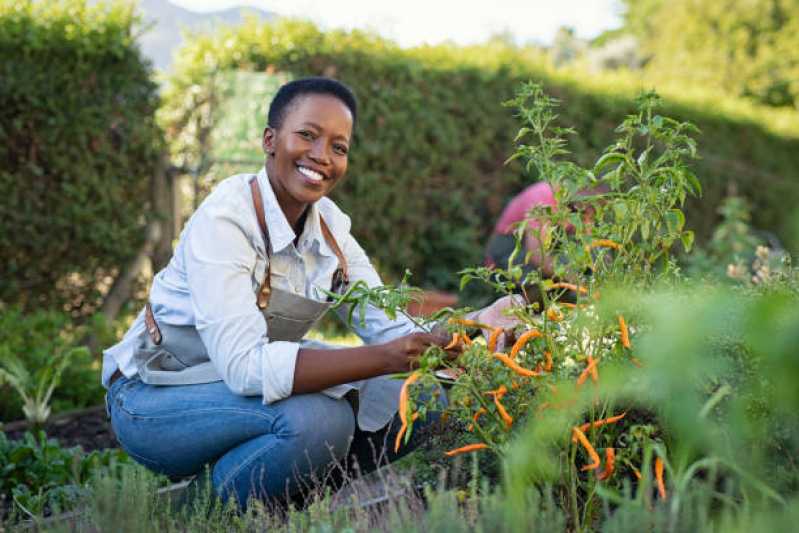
point(88, 428)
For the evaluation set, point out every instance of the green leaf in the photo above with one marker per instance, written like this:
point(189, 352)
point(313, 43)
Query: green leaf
point(687, 238)
point(645, 229)
point(607, 160)
point(675, 220)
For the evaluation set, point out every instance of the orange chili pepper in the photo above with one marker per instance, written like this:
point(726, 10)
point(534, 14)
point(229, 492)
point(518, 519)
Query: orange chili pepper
point(659, 478)
point(604, 243)
point(588, 448)
point(554, 315)
point(493, 338)
point(625, 335)
point(521, 341)
point(610, 420)
point(548, 365)
point(468, 323)
point(514, 366)
point(456, 340)
point(567, 304)
point(476, 415)
point(610, 460)
point(403, 407)
point(466, 449)
point(569, 286)
point(500, 391)
point(598, 423)
point(502, 412)
point(589, 369)
point(637, 473)
point(466, 340)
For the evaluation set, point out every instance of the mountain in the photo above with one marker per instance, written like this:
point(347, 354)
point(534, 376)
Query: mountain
point(163, 22)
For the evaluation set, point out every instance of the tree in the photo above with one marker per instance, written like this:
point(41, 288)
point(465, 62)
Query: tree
point(748, 48)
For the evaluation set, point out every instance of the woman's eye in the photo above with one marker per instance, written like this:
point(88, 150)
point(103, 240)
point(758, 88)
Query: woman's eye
point(305, 134)
point(341, 149)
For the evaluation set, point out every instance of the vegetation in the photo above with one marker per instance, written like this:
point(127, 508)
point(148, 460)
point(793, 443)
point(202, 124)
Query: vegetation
point(746, 49)
point(40, 476)
point(37, 351)
point(78, 144)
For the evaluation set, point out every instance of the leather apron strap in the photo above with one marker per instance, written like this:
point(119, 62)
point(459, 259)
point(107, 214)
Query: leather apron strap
point(340, 276)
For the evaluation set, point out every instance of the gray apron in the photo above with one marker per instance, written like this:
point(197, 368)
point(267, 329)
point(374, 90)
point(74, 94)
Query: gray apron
point(176, 355)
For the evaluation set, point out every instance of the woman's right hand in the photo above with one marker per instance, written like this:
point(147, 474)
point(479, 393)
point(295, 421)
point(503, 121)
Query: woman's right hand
point(402, 352)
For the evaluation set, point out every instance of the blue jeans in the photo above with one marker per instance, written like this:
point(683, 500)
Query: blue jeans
point(266, 451)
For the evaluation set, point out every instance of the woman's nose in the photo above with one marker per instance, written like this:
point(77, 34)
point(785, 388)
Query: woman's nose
point(319, 152)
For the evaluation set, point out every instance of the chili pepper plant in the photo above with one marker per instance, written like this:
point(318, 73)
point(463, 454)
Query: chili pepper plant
point(569, 362)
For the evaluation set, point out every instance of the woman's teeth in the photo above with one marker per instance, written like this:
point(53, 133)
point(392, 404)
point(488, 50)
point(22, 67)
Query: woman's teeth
point(310, 174)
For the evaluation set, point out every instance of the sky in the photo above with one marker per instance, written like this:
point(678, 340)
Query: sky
point(433, 21)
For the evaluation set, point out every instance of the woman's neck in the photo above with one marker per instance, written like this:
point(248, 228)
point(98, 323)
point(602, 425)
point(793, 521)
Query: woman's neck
point(294, 211)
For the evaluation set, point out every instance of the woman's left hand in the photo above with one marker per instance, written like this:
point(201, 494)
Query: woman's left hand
point(496, 316)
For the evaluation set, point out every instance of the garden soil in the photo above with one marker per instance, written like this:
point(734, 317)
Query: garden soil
point(88, 428)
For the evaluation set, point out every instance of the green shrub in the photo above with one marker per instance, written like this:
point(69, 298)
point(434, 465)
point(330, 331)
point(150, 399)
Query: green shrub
point(427, 177)
point(39, 338)
point(78, 144)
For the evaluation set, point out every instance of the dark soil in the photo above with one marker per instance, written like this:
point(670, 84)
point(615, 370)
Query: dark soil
point(88, 428)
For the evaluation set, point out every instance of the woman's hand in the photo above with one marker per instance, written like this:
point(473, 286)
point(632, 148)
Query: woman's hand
point(401, 353)
point(495, 316)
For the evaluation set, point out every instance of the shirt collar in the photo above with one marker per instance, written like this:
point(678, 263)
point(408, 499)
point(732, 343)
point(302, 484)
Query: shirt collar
point(281, 233)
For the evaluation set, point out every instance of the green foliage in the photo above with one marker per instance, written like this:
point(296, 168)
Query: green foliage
point(41, 342)
point(35, 390)
point(426, 178)
point(748, 49)
point(78, 144)
point(736, 252)
point(38, 475)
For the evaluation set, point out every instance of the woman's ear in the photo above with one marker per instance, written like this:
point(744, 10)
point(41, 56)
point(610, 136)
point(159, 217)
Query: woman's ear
point(268, 141)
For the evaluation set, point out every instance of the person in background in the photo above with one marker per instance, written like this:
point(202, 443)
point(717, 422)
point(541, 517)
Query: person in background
point(503, 241)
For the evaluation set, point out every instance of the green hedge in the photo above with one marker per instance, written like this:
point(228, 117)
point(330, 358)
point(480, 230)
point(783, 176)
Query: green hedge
point(427, 179)
point(78, 144)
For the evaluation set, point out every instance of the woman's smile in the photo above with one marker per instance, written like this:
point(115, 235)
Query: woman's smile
point(313, 175)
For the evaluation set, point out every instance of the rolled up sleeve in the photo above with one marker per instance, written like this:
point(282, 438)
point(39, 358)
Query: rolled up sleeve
point(220, 260)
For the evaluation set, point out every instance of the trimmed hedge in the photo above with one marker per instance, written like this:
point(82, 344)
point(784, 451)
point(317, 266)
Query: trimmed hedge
point(78, 145)
point(426, 178)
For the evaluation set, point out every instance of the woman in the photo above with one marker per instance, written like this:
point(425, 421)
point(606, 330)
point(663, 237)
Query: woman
point(214, 371)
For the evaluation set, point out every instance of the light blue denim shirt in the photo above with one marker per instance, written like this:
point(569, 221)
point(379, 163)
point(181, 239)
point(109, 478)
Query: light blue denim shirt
point(211, 282)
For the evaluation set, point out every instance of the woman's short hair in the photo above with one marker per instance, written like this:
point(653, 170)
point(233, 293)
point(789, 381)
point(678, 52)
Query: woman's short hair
point(316, 85)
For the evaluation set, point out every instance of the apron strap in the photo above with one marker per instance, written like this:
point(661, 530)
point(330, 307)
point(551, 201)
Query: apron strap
point(265, 289)
point(340, 276)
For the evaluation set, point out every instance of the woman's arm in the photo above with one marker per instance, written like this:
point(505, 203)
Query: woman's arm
point(532, 242)
point(319, 369)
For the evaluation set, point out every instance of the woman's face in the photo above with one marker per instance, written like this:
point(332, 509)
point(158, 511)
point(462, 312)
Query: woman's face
point(308, 152)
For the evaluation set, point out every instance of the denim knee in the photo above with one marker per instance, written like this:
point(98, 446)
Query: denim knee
point(314, 421)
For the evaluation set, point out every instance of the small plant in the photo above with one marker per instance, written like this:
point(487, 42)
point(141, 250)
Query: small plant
point(40, 340)
point(39, 476)
point(36, 389)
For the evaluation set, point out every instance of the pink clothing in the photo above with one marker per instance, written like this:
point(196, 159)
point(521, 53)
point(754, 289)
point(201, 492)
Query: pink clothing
point(537, 194)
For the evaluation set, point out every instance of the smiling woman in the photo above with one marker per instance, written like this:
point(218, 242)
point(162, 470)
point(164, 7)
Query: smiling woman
point(216, 371)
